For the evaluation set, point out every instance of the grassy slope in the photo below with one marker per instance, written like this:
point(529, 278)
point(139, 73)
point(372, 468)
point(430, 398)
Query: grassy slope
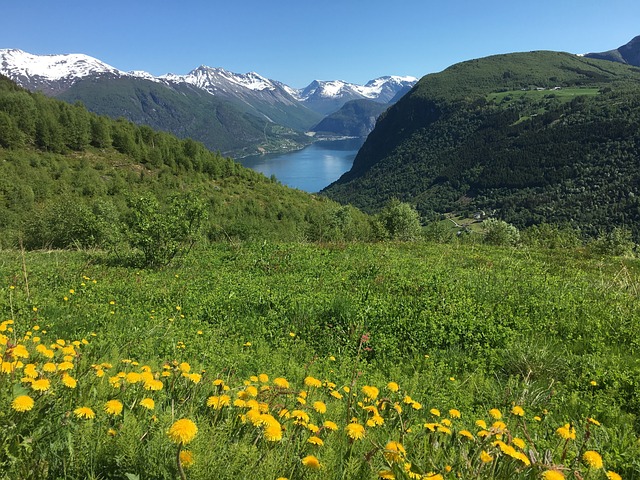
point(530, 327)
point(453, 139)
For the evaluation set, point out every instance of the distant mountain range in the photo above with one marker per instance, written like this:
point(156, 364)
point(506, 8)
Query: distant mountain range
point(628, 53)
point(229, 112)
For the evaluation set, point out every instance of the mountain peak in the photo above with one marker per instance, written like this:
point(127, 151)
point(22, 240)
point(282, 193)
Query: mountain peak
point(628, 53)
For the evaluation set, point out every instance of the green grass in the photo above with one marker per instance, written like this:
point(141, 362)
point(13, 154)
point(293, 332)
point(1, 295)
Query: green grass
point(457, 326)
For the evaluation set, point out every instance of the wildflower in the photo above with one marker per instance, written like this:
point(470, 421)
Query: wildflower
point(613, 476)
point(518, 442)
point(453, 413)
point(311, 462)
point(319, 407)
point(593, 421)
point(273, 432)
point(185, 367)
point(312, 382)
point(148, 403)
point(23, 403)
point(41, 385)
point(281, 382)
point(313, 440)
point(394, 452)
point(49, 367)
point(485, 457)
point(567, 432)
point(186, 458)
point(64, 366)
point(300, 415)
point(495, 413)
point(154, 385)
point(84, 412)
point(433, 476)
point(355, 431)
point(336, 394)
point(416, 405)
point(20, 351)
point(386, 475)
point(182, 431)
point(592, 459)
point(217, 402)
point(370, 392)
point(113, 407)
point(68, 381)
point(263, 378)
point(194, 377)
point(552, 475)
point(111, 432)
point(393, 387)
point(133, 377)
point(466, 433)
point(518, 411)
point(30, 370)
point(330, 425)
point(435, 412)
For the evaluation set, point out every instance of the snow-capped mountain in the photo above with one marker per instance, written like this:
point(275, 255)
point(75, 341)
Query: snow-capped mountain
point(329, 96)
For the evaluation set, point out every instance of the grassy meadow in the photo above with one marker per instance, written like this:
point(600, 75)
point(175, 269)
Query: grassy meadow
point(302, 361)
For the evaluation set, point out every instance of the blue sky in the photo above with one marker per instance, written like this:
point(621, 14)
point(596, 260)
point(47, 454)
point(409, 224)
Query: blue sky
point(299, 41)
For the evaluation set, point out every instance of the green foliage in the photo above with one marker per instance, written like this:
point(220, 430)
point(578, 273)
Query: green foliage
point(499, 232)
point(161, 234)
point(481, 136)
point(400, 221)
point(617, 242)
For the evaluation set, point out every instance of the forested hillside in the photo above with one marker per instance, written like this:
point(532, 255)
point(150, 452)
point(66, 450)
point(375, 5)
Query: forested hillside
point(71, 178)
point(530, 137)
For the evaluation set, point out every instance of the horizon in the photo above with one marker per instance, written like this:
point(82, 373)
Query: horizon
point(299, 43)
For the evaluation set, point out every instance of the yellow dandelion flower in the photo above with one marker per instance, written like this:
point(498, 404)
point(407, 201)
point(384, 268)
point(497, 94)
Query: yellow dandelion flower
point(319, 407)
point(593, 421)
point(281, 382)
point(49, 367)
point(218, 401)
point(311, 462)
point(416, 405)
point(328, 424)
point(386, 475)
point(64, 366)
point(393, 387)
point(313, 440)
point(148, 403)
point(153, 385)
point(336, 394)
point(68, 381)
point(370, 392)
point(84, 412)
point(113, 407)
point(553, 475)
point(111, 432)
point(467, 434)
point(495, 414)
point(613, 475)
point(312, 382)
point(22, 403)
point(186, 458)
point(446, 422)
point(300, 415)
point(518, 442)
point(30, 370)
point(518, 411)
point(263, 378)
point(41, 385)
point(182, 431)
point(433, 476)
point(453, 413)
point(485, 457)
point(273, 432)
point(435, 412)
point(355, 431)
point(20, 351)
point(592, 459)
point(394, 452)
point(567, 432)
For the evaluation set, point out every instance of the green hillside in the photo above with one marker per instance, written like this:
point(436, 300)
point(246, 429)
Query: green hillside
point(531, 137)
point(356, 118)
point(188, 112)
point(70, 178)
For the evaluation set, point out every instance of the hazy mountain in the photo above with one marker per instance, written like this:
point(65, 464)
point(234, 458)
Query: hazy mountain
point(356, 118)
point(629, 53)
point(534, 137)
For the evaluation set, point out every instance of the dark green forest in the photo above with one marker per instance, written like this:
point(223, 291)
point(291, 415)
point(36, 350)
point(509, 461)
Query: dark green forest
point(532, 138)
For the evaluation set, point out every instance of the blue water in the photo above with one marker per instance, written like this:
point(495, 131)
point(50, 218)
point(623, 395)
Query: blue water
point(310, 169)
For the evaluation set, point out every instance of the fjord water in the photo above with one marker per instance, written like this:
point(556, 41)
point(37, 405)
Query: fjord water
point(310, 169)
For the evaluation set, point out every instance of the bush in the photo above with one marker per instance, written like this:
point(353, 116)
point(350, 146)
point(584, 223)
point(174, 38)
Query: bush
point(499, 232)
point(400, 221)
point(618, 242)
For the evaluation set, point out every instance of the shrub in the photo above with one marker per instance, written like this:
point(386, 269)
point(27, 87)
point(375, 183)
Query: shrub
point(499, 232)
point(400, 221)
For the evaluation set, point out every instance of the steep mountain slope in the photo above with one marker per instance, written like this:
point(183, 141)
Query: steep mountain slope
point(70, 178)
point(356, 118)
point(329, 96)
point(628, 53)
point(534, 137)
